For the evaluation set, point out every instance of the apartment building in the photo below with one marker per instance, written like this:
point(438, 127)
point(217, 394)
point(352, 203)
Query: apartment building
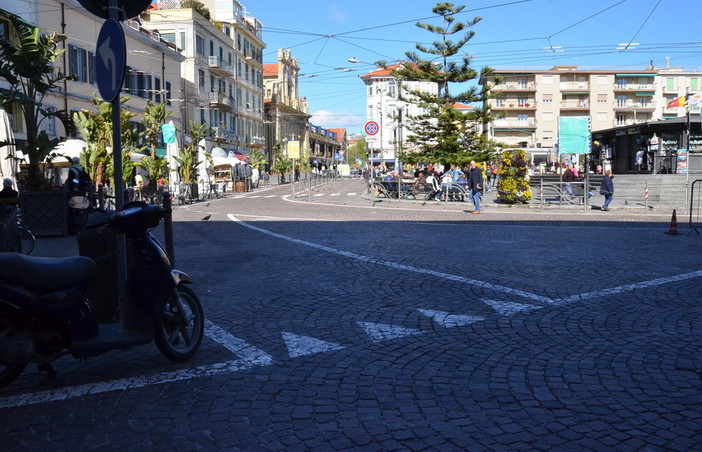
point(222, 72)
point(529, 102)
point(286, 113)
point(382, 102)
point(153, 64)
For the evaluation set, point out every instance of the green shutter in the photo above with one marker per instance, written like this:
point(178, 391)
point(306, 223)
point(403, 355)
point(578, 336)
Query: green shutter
point(694, 84)
point(670, 83)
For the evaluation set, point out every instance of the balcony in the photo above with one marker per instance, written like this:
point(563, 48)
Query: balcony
point(634, 106)
point(575, 105)
point(222, 134)
point(515, 87)
point(220, 101)
point(575, 86)
point(219, 67)
point(514, 124)
point(514, 106)
point(634, 87)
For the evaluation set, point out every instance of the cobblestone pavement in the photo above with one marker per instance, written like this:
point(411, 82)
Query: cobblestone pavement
point(336, 324)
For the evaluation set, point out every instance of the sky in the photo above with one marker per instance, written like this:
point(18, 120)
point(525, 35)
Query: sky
point(513, 34)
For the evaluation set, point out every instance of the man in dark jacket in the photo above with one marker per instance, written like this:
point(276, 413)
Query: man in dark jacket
point(568, 177)
point(475, 183)
point(607, 189)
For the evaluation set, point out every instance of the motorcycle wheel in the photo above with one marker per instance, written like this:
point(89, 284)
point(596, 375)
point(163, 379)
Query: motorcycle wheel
point(10, 325)
point(180, 325)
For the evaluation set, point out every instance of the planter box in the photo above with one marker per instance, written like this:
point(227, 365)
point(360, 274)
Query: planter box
point(45, 212)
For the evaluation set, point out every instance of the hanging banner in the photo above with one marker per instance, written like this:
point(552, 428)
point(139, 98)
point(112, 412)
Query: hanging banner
point(574, 135)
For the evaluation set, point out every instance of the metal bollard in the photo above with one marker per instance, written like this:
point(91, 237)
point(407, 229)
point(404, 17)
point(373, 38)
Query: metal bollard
point(168, 228)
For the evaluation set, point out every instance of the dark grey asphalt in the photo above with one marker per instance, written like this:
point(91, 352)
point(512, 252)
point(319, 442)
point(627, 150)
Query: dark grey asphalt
point(337, 325)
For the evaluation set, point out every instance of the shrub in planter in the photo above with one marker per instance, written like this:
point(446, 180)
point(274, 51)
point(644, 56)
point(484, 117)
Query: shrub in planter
point(513, 185)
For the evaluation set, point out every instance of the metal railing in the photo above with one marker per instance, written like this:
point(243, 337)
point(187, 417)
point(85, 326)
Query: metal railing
point(694, 207)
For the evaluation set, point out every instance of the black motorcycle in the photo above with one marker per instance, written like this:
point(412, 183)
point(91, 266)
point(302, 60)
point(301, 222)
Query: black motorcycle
point(52, 307)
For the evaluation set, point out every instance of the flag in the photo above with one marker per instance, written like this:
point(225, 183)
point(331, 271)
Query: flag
point(695, 99)
point(679, 102)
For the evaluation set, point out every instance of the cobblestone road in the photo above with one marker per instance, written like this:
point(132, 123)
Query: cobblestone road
point(334, 324)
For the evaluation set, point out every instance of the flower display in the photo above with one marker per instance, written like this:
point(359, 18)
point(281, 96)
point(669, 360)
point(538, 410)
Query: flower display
point(513, 184)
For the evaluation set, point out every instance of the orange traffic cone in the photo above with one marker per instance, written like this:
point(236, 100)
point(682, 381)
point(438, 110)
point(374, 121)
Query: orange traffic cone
point(673, 225)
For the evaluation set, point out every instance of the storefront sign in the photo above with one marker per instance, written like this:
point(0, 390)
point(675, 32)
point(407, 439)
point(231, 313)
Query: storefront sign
point(682, 161)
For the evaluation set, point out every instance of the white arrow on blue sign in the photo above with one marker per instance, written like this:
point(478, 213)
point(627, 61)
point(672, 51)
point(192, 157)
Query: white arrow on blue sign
point(111, 60)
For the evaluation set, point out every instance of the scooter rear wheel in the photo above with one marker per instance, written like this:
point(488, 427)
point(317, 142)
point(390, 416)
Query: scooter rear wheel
point(180, 327)
point(10, 325)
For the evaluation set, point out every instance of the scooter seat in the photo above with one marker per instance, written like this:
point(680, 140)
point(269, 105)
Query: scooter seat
point(47, 273)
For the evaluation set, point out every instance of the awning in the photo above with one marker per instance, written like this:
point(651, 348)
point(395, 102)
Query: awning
point(161, 152)
point(645, 93)
point(636, 75)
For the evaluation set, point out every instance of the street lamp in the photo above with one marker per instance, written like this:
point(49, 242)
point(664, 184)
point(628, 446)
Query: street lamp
point(399, 106)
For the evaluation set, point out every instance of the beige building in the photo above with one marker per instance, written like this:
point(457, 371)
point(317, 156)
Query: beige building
point(153, 65)
point(222, 71)
point(286, 113)
point(529, 102)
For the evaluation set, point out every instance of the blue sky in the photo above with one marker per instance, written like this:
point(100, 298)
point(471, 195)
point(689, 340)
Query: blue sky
point(514, 34)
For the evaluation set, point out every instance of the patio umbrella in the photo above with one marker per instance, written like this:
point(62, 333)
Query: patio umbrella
point(8, 166)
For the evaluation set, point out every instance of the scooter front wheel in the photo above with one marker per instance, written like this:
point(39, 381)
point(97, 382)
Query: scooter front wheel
point(179, 324)
point(10, 326)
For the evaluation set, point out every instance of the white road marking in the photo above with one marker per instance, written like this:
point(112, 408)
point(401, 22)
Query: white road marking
point(397, 266)
point(628, 287)
point(239, 347)
point(509, 307)
point(122, 384)
point(351, 194)
point(382, 332)
point(271, 196)
point(318, 194)
point(305, 345)
point(448, 320)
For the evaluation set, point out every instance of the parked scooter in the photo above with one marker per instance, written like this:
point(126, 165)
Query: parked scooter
point(52, 307)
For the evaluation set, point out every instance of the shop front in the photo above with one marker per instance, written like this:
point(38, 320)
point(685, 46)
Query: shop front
point(657, 147)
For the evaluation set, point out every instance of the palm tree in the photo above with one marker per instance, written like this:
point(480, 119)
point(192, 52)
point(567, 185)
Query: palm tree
point(27, 64)
point(155, 116)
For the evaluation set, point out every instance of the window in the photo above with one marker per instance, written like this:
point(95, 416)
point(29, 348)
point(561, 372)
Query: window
point(522, 82)
point(168, 92)
point(201, 79)
point(694, 84)
point(213, 86)
point(547, 135)
point(621, 101)
point(621, 83)
point(670, 83)
point(602, 116)
point(601, 98)
point(169, 37)
point(79, 64)
point(212, 52)
point(200, 45)
point(157, 89)
point(181, 40)
point(547, 116)
point(601, 79)
point(547, 79)
point(499, 102)
point(523, 118)
point(521, 101)
point(548, 98)
point(621, 120)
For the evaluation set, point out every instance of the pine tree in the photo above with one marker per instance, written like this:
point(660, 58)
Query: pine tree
point(444, 133)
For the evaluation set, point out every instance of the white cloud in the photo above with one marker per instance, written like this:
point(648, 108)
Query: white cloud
point(337, 119)
point(336, 14)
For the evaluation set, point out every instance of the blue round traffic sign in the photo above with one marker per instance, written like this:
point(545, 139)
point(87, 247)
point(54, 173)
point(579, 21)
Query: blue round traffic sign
point(110, 60)
point(371, 128)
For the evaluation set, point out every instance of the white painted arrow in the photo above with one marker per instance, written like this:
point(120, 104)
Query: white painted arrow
point(509, 307)
point(109, 60)
point(383, 331)
point(448, 320)
point(247, 352)
point(305, 345)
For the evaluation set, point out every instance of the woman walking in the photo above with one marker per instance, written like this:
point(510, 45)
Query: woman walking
point(607, 189)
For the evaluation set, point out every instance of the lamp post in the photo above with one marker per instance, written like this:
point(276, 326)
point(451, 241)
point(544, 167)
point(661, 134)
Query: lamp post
point(399, 106)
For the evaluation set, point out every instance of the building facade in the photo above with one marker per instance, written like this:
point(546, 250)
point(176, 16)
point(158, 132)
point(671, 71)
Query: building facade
point(286, 113)
point(382, 101)
point(153, 64)
point(222, 72)
point(529, 103)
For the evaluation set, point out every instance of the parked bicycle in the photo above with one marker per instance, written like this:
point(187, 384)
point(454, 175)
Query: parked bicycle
point(25, 237)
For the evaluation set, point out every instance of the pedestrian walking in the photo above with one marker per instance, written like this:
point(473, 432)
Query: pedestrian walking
point(475, 182)
point(568, 177)
point(607, 189)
